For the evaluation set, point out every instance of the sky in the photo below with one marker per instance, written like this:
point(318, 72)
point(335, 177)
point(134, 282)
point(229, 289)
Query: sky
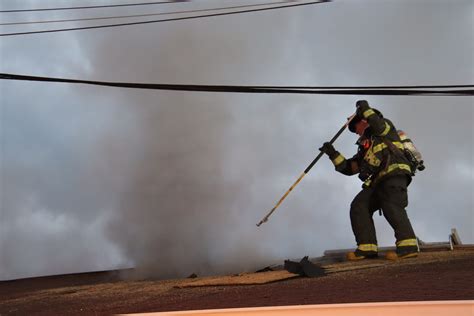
point(173, 183)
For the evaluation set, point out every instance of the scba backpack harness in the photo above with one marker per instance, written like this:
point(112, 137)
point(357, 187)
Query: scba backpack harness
point(409, 152)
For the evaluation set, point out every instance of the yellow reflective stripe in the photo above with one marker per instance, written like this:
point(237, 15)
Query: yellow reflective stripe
point(367, 247)
point(407, 242)
point(378, 147)
point(399, 145)
point(386, 130)
point(381, 146)
point(404, 167)
point(372, 159)
point(393, 167)
point(368, 113)
point(338, 160)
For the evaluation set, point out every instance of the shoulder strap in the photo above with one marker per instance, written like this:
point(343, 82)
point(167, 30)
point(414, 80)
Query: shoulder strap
point(394, 149)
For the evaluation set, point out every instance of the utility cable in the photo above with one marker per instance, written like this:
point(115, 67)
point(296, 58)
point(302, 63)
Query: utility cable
point(366, 87)
point(92, 7)
point(145, 15)
point(466, 90)
point(163, 20)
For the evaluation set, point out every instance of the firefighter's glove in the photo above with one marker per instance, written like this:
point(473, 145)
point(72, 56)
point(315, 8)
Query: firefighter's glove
point(364, 174)
point(329, 150)
point(362, 106)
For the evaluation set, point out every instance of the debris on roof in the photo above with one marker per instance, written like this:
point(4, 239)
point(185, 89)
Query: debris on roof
point(240, 279)
point(304, 268)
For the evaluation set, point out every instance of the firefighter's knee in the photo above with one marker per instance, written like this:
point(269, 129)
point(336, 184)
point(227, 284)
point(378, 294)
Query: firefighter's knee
point(357, 208)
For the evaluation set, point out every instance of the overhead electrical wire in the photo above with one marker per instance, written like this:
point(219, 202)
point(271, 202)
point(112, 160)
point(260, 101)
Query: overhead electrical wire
point(369, 87)
point(145, 15)
point(92, 7)
point(164, 20)
point(434, 90)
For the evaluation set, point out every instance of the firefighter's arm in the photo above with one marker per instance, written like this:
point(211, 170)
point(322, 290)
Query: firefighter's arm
point(343, 165)
point(379, 125)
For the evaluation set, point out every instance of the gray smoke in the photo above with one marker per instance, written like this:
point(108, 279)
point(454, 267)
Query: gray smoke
point(173, 183)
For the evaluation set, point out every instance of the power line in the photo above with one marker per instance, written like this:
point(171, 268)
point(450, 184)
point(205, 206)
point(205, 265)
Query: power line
point(367, 87)
point(164, 20)
point(144, 15)
point(92, 7)
point(379, 90)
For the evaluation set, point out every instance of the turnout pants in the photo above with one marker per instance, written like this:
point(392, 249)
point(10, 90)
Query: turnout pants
point(391, 197)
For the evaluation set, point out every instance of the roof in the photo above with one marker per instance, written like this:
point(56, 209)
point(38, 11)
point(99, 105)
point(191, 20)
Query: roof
point(434, 275)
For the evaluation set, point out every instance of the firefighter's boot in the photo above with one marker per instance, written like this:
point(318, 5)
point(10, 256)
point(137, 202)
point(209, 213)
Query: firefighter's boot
point(392, 255)
point(360, 255)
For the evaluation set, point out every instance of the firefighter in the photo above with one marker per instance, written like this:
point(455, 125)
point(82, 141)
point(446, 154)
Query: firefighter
point(386, 174)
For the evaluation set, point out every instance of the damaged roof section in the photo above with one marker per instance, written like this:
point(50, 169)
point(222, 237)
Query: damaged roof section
point(334, 262)
point(438, 273)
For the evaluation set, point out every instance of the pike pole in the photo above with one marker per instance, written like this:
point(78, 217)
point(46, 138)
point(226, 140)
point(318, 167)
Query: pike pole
point(265, 219)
